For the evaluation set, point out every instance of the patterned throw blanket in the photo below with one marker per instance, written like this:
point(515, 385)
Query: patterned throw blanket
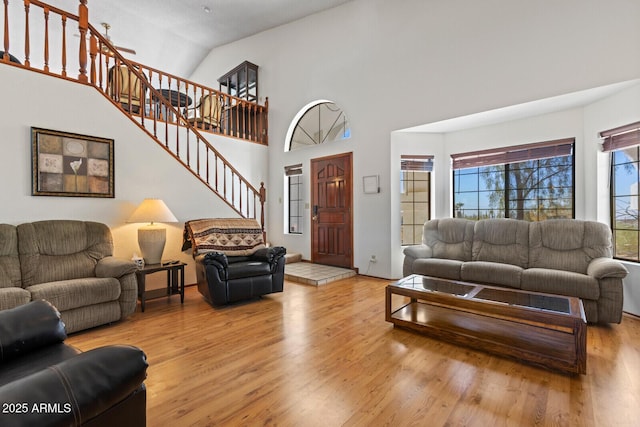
point(231, 236)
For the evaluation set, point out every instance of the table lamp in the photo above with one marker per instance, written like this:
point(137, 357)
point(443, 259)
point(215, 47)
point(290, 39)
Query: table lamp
point(152, 237)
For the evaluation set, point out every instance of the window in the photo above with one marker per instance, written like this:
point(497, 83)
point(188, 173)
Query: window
point(624, 145)
point(531, 182)
point(415, 196)
point(318, 123)
point(295, 203)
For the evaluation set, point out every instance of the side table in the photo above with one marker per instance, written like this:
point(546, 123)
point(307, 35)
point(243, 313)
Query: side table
point(175, 282)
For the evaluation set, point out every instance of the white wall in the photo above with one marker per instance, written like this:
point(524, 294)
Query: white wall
point(391, 65)
point(142, 168)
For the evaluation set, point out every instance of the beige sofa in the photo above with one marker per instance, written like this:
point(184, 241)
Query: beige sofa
point(566, 257)
point(70, 264)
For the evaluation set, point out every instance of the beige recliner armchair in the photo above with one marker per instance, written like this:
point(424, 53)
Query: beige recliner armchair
point(70, 264)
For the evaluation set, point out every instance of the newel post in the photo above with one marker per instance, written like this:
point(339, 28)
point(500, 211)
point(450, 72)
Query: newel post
point(5, 55)
point(83, 26)
point(263, 198)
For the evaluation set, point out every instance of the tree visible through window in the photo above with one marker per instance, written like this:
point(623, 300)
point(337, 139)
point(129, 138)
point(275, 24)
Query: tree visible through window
point(625, 178)
point(624, 145)
point(540, 185)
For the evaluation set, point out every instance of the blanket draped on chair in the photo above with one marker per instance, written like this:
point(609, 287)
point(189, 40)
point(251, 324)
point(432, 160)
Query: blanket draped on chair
point(231, 236)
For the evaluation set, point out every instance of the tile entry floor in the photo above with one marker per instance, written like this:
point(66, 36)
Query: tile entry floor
point(315, 274)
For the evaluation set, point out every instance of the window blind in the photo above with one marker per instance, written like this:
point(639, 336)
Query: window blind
point(513, 154)
point(293, 170)
point(416, 163)
point(621, 137)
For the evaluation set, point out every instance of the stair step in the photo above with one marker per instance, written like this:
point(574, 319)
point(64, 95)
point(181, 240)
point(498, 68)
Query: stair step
point(291, 258)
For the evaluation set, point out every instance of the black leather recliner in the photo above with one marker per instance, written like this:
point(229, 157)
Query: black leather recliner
point(45, 382)
point(225, 279)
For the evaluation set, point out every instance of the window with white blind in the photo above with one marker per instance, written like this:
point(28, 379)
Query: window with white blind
point(624, 145)
point(531, 182)
point(415, 196)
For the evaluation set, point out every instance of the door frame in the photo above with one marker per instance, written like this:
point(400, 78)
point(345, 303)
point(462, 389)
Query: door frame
point(349, 188)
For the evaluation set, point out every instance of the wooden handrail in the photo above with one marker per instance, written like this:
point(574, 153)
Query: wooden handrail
point(186, 136)
point(134, 91)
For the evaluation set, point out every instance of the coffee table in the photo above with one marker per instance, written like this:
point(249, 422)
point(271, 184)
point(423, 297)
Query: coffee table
point(543, 329)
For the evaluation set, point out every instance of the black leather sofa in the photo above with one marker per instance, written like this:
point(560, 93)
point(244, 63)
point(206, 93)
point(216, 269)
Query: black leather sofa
point(225, 279)
point(45, 382)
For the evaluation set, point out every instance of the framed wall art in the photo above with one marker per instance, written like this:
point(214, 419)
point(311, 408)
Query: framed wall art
point(68, 164)
point(371, 184)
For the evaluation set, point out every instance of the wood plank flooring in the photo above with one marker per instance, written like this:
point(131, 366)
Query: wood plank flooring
point(324, 356)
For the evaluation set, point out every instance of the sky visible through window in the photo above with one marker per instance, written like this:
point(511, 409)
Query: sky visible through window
point(625, 223)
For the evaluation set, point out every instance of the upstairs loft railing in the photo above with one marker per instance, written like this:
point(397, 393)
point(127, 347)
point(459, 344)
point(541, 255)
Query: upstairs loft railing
point(143, 93)
point(55, 36)
point(234, 117)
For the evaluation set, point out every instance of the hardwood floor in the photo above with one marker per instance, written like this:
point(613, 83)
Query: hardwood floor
point(324, 356)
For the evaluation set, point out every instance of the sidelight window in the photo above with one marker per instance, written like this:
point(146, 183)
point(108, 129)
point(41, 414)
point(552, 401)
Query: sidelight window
point(415, 196)
point(295, 202)
point(624, 145)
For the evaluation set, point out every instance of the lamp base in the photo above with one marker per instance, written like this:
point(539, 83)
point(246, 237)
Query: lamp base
point(151, 239)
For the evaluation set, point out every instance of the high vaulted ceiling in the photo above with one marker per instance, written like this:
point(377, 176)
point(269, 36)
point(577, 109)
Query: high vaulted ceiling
point(176, 35)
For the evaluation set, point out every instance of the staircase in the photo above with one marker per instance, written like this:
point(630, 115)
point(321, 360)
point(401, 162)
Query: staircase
point(151, 98)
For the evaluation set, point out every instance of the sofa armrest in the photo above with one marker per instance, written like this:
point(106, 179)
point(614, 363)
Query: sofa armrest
point(418, 251)
point(215, 258)
point(124, 271)
point(114, 267)
point(271, 254)
point(76, 390)
point(29, 327)
point(602, 268)
point(412, 253)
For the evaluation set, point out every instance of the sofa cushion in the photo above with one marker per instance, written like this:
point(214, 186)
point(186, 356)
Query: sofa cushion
point(568, 244)
point(68, 294)
point(61, 249)
point(501, 240)
point(9, 261)
point(238, 270)
point(13, 297)
point(91, 316)
point(436, 267)
point(449, 238)
point(560, 282)
point(492, 273)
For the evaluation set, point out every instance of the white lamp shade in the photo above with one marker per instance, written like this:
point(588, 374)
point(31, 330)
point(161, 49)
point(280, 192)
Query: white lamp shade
point(152, 210)
point(152, 238)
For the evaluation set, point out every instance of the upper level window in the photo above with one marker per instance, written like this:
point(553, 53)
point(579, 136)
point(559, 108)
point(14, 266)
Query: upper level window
point(624, 145)
point(318, 123)
point(415, 196)
point(532, 182)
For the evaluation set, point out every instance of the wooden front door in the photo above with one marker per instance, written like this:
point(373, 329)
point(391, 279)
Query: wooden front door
point(331, 215)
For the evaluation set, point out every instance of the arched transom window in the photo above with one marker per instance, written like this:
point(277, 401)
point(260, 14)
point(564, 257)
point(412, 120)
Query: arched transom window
point(318, 123)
